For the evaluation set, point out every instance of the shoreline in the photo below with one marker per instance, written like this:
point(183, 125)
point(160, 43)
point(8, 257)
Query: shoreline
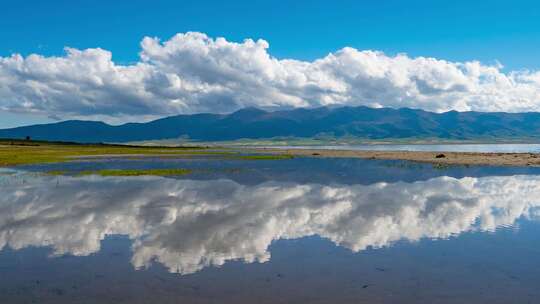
point(440, 158)
point(36, 152)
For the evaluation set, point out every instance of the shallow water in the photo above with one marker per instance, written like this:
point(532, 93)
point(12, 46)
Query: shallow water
point(495, 148)
point(287, 231)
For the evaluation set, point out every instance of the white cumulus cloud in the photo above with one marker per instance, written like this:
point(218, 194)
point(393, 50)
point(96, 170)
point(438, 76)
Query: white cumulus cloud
point(192, 73)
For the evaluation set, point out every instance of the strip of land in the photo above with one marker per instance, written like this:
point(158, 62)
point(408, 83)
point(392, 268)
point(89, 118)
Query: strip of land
point(443, 158)
point(13, 153)
point(21, 152)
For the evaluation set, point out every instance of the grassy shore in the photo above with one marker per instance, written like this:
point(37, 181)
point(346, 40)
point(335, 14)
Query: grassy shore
point(22, 152)
point(14, 152)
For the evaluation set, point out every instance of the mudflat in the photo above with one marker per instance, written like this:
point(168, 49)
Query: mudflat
point(445, 158)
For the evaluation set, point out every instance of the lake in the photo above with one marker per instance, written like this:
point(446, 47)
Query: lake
point(299, 230)
point(495, 148)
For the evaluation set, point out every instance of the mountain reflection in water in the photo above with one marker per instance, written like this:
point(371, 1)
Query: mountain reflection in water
point(187, 225)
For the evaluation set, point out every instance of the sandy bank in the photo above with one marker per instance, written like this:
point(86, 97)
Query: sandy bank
point(448, 158)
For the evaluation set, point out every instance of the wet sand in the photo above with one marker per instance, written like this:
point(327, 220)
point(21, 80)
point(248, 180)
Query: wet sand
point(443, 158)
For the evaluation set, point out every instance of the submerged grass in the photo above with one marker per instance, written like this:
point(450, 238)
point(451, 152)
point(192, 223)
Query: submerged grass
point(266, 157)
point(57, 172)
point(142, 172)
point(135, 172)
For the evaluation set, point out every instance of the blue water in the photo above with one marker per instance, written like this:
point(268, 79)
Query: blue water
point(496, 148)
point(290, 231)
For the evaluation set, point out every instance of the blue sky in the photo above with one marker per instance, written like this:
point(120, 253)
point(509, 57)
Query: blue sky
point(489, 31)
point(508, 31)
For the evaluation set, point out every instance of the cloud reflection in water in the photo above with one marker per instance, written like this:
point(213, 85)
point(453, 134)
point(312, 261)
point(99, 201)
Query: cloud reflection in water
point(187, 225)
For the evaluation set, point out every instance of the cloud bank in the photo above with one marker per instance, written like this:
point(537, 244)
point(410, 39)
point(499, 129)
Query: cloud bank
point(188, 225)
point(192, 73)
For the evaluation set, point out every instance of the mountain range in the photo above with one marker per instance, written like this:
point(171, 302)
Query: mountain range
point(252, 123)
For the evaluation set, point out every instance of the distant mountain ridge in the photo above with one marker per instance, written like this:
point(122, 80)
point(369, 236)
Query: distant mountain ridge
point(252, 123)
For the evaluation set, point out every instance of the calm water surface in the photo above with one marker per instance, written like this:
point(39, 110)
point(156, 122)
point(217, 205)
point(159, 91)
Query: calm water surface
point(290, 231)
point(497, 148)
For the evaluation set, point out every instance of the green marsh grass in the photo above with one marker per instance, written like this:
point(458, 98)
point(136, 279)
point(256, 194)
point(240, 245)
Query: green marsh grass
point(13, 153)
point(266, 157)
point(136, 172)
